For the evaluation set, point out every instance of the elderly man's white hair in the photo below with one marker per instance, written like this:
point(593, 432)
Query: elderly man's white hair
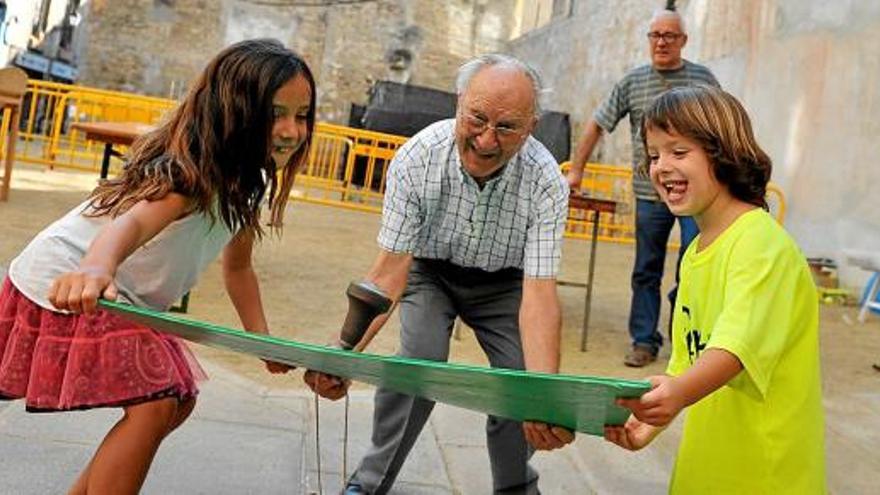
point(668, 14)
point(470, 68)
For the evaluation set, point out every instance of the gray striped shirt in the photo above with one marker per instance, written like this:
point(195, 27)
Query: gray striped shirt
point(632, 95)
point(434, 209)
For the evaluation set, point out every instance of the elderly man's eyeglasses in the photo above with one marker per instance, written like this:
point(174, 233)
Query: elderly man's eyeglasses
point(655, 36)
point(478, 125)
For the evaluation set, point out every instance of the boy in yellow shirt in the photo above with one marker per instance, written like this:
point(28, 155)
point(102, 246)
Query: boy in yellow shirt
point(745, 350)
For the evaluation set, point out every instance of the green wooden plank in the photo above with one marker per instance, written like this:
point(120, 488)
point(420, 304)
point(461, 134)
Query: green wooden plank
point(581, 403)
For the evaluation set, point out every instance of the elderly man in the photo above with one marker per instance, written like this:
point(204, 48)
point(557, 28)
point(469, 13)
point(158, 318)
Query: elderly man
point(472, 228)
point(631, 95)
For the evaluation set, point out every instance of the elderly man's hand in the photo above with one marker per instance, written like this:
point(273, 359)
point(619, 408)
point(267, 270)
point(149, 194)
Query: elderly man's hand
point(543, 436)
point(277, 368)
point(327, 386)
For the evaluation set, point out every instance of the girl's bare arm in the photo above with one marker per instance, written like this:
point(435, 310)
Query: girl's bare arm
point(78, 291)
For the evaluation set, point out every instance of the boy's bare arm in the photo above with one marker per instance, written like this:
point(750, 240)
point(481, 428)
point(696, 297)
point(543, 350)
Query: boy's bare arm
point(633, 435)
point(713, 369)
point(669, 395)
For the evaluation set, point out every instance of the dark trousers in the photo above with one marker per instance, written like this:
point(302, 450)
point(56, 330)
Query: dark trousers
point(488, 302)
point(654, 223)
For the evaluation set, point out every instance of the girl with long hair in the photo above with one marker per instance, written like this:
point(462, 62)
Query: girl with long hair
point(191, 190)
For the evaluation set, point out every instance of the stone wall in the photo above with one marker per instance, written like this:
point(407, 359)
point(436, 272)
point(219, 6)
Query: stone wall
point(806, 70)
point(157, 46)
point(146, 46)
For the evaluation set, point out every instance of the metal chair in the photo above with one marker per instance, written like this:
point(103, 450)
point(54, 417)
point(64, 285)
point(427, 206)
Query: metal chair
point(870, 262)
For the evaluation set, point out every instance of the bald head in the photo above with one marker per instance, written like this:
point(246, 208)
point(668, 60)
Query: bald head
point(496, 113)
point(500, 61)
point(505, 87)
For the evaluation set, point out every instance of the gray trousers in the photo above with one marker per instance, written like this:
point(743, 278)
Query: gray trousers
point(437, 292)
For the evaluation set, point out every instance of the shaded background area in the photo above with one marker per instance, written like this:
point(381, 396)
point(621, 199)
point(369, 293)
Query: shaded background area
point(405, 109)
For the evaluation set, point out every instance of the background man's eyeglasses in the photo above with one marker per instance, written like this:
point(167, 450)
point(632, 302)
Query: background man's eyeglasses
point(654, 36)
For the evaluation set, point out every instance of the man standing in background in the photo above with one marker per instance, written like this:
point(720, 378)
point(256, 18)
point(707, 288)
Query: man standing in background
point(631, 95)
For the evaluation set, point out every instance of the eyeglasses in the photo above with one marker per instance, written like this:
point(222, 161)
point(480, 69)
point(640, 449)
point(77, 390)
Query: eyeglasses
point(654, 36)
point(478, 125)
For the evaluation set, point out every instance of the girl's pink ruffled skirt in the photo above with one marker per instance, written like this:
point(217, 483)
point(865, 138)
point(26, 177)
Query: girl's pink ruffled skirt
point(60, 362)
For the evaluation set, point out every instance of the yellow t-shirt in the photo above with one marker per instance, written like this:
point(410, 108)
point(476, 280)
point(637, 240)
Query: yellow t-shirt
point(750, 293)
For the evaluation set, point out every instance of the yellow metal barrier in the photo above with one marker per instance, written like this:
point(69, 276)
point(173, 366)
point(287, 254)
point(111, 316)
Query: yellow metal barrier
point(602, 181)
point(776, 202)
point(346, 167)
point(50, 108)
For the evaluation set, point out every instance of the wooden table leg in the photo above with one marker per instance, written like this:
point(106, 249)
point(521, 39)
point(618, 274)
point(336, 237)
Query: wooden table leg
point(105, 162)
point(8, 160)
point(589, 295)
point(183, 307)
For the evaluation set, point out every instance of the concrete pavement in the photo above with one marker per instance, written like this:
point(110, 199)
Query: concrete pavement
point(244, 438)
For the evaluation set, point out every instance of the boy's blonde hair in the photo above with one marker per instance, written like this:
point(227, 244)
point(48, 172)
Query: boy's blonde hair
point(720, 125)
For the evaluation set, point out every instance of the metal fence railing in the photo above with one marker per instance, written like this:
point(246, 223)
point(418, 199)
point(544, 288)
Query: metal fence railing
point(50, 108)
point(346, 167)
point(602, 181)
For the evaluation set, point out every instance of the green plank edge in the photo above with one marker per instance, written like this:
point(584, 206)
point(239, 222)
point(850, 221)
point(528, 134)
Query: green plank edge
point(580, 403)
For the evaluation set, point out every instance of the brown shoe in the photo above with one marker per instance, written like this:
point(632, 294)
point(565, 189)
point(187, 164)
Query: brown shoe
point(639, 356)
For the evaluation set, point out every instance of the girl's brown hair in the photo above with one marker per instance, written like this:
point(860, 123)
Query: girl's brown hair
point(721, 126)
point(216, 146)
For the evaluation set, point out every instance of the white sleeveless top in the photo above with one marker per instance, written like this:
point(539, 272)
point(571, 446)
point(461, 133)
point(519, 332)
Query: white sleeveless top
point(155, 275)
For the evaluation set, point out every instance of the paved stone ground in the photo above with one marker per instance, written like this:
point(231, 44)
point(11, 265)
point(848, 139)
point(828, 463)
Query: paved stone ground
point(245, 438)
point(252, 433)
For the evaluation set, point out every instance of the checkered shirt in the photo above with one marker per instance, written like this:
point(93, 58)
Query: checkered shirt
point(434, 209)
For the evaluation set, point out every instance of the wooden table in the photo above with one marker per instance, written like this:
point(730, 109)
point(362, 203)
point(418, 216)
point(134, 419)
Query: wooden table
point(580, 201)
point(14, 105)
point(119, 133)
point(112, 133)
